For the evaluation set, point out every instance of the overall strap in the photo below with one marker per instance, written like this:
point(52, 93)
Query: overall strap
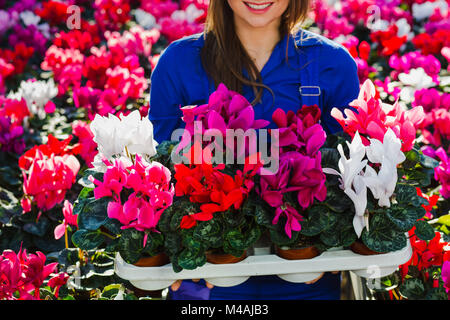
point(309, 77)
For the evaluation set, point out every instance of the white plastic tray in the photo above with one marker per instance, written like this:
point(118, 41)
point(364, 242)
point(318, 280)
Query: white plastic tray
point(262, 262)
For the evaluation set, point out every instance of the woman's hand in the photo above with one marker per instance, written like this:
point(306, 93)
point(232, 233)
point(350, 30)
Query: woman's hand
point(320, 277)
point(176, 285)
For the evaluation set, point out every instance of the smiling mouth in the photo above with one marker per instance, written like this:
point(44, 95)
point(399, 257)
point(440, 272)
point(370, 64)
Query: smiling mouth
point(255, 6)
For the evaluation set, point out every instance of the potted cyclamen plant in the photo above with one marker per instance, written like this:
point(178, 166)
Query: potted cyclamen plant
point(211, 217)
point(380, 171)
point(125, 193)
point(306, 215)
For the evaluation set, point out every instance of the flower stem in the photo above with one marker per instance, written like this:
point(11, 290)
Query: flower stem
point(107, 235)
point(66, 239)
point(395, 295)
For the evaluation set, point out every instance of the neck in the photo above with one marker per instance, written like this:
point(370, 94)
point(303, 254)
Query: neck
point(258, 41)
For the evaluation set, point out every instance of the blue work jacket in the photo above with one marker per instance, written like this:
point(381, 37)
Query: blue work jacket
point(317, 71)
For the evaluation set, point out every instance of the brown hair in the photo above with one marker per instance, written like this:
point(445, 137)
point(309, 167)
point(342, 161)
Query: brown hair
point(223, 55)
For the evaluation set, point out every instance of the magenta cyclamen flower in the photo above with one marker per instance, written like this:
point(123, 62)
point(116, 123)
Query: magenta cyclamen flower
point(48, 179)
point(307, 178)
point(413, 60)
point(430, 99)
point(149, 189)
point(300, 169)
point(225, 110)
point(22, 274)
point(445, 274)
point(442, 173)
point(11, 136)
point(293, 218)
point(70, 219)
point(299, 132)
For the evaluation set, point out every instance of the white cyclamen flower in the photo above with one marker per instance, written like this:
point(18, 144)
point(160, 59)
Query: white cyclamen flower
point(351, 179)
point(404, 28)
point(144, 19)
point(358, 194)
point(351, 167)
point(190, 14)
point(139, 139)
point(37, 94)
point(415, 80)
point(424, 10)
point(107, 135)
point(389, 155)
point(123, 136)
point(29, 18)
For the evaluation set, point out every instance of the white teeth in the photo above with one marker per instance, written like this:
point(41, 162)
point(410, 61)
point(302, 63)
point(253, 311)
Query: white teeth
point(258, 6)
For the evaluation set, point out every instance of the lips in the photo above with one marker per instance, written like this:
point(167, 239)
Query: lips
point(258, 6)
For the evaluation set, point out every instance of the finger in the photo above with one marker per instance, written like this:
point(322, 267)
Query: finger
point(209, 285)
point(196, 280)
point(176, 285)
point(335, 272)
point(315, 280)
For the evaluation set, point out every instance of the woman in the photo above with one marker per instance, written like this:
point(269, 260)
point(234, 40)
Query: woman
point(254, 48)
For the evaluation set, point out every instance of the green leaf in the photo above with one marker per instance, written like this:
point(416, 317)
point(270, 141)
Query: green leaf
point(172, 243)
point(428, 162)
point(111, 290)
point(94, 213)
point(407, 195)
point(330, 158)
point(382, 235)
point(131, 245)
point(424, 230)
point(38, 228)
point(341, 234)
point(437, 294)
point(445, 220)
point(319, 218)
point(279, 236)
point(252, 236)
point(337, 200)
point(236, 240)
point(87, 240)
point(85, 182)
point(412, 289)
point(404, 218)
point(190, 260)
point(68, 256)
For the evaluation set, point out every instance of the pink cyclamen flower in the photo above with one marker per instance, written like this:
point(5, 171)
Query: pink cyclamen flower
point(274, 185)
point(88, 149)
point(300, 131)
point(49, 178)
point(113, 182)
point(445, 274)
point(70, 219)
point(307, 178)
point(58, 281)
point(373, 118)
point(225, 110)
point(292, 216)
point(22, 274)
point(442, 172)
point(149, 192)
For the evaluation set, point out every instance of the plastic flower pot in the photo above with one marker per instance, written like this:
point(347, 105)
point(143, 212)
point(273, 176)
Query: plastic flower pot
point(157, 260)
point(223, 258)
point(301, 253)
point(360, 248)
